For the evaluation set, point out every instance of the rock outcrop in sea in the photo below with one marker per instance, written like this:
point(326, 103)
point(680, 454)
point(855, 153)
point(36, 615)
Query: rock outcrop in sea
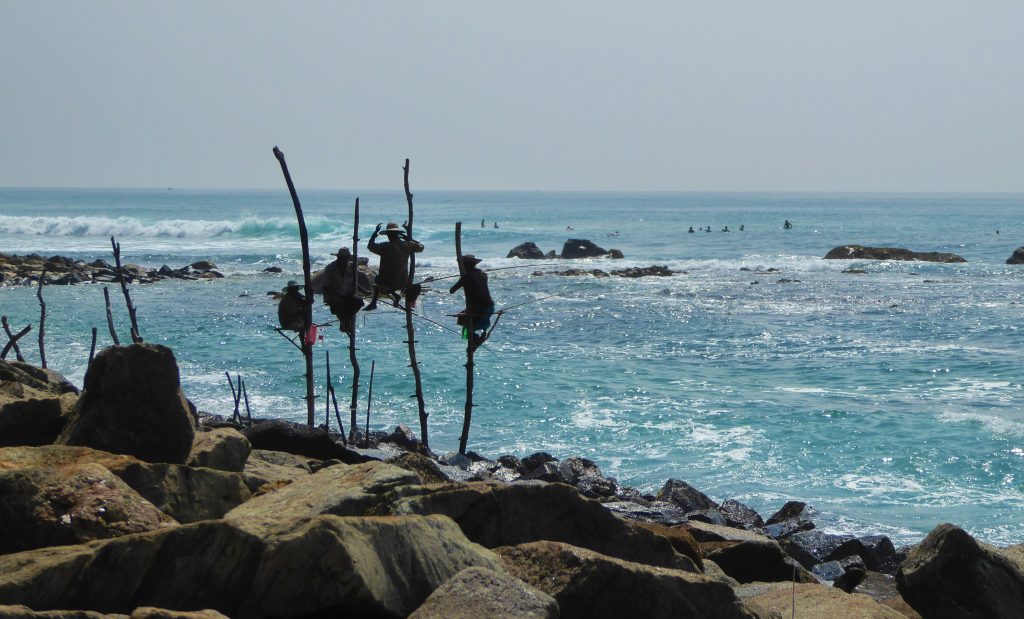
point(1017, 257)
point(572, 248)
point(280, 520)
point(62, 271)
point(860, 252)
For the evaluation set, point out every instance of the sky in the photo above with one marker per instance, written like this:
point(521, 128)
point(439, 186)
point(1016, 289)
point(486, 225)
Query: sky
point(663, 95)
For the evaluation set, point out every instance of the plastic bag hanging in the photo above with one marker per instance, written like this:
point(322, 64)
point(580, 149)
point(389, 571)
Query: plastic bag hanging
point(311, 335)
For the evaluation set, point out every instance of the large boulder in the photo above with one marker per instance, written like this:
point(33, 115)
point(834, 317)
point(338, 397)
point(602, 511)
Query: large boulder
point(301, 440)
point(34, 404)
point(266, 470)
point(949, 574)
point(812, 600)
point(57, 506)
point(496, 515)
point(477, 592)
point(591, 585)
point(341, 490)
point(685, 496)
point(749, 561)
point(1017, 257)
point(132, 404)
point(860, 252)
point(225, 449)
point(24, 612)
point(379, 567)
point(186, 494)
point(582, 248)
point(526, 251)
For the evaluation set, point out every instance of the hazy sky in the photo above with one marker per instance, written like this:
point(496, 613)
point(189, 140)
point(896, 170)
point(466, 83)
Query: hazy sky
point(917, 95)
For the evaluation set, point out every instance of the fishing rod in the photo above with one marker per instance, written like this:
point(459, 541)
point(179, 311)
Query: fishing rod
point(518, 266)
point(508, 307)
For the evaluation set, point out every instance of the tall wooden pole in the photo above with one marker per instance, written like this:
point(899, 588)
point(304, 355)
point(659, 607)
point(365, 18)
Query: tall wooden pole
point(307, 318)
point(471, 346)
point(410, 330)
point(353, 405)
point(42, 319)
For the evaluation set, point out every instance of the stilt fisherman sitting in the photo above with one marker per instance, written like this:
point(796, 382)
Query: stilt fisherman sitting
point(479, 305)
point(339, 289)
point(393, 276)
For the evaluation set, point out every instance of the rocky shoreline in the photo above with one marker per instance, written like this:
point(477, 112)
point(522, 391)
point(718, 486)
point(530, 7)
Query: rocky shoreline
point(124, 499)
point(62, 271)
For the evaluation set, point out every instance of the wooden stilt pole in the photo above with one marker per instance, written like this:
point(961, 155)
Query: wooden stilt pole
point(42, 319)
point(410, 329)
point(92, 348)
point(307, 346)
point(471, 347)
point(353, 405)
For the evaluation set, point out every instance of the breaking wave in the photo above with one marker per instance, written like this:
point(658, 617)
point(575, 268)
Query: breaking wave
point(89, 226)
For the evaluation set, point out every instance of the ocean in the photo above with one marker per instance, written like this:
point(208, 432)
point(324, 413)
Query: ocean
point(890, 400)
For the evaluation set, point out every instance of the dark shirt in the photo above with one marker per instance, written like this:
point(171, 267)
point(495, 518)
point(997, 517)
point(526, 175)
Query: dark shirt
point(478, 295)
point(394, 261)
point(291, 310)
point(337, 281)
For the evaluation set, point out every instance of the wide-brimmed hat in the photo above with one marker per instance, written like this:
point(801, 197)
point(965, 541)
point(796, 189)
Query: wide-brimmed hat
point(343, 252)
point(470, 259)
point(292, 284)
point(393, 228)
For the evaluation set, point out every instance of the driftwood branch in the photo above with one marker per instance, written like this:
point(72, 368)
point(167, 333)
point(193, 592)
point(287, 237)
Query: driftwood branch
point(353, 359)
point(12, 341)
point(329, 398)
point(42, 319)
point(122, 277)
point(235, 398)
point(369, 403)
point(410, 330)
point(307, 346)
point(110, 317)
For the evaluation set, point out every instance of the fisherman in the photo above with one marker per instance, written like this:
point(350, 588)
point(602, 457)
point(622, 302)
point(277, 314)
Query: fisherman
point(479, 305)
point(690, 230)
point(482, 224)
point(741, 227)
point(495, 225)
point(393, 276)
point(787, 225)
point(291, 308)
point(339, 290)
point(725, 229)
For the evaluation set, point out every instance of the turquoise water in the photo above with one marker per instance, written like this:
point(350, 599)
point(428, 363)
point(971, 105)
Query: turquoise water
point(890, 401)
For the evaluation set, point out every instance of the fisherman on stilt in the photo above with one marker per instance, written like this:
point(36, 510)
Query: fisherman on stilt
point(291, 308)
point(479, 305)
point(393, 275)
point(339, 289)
